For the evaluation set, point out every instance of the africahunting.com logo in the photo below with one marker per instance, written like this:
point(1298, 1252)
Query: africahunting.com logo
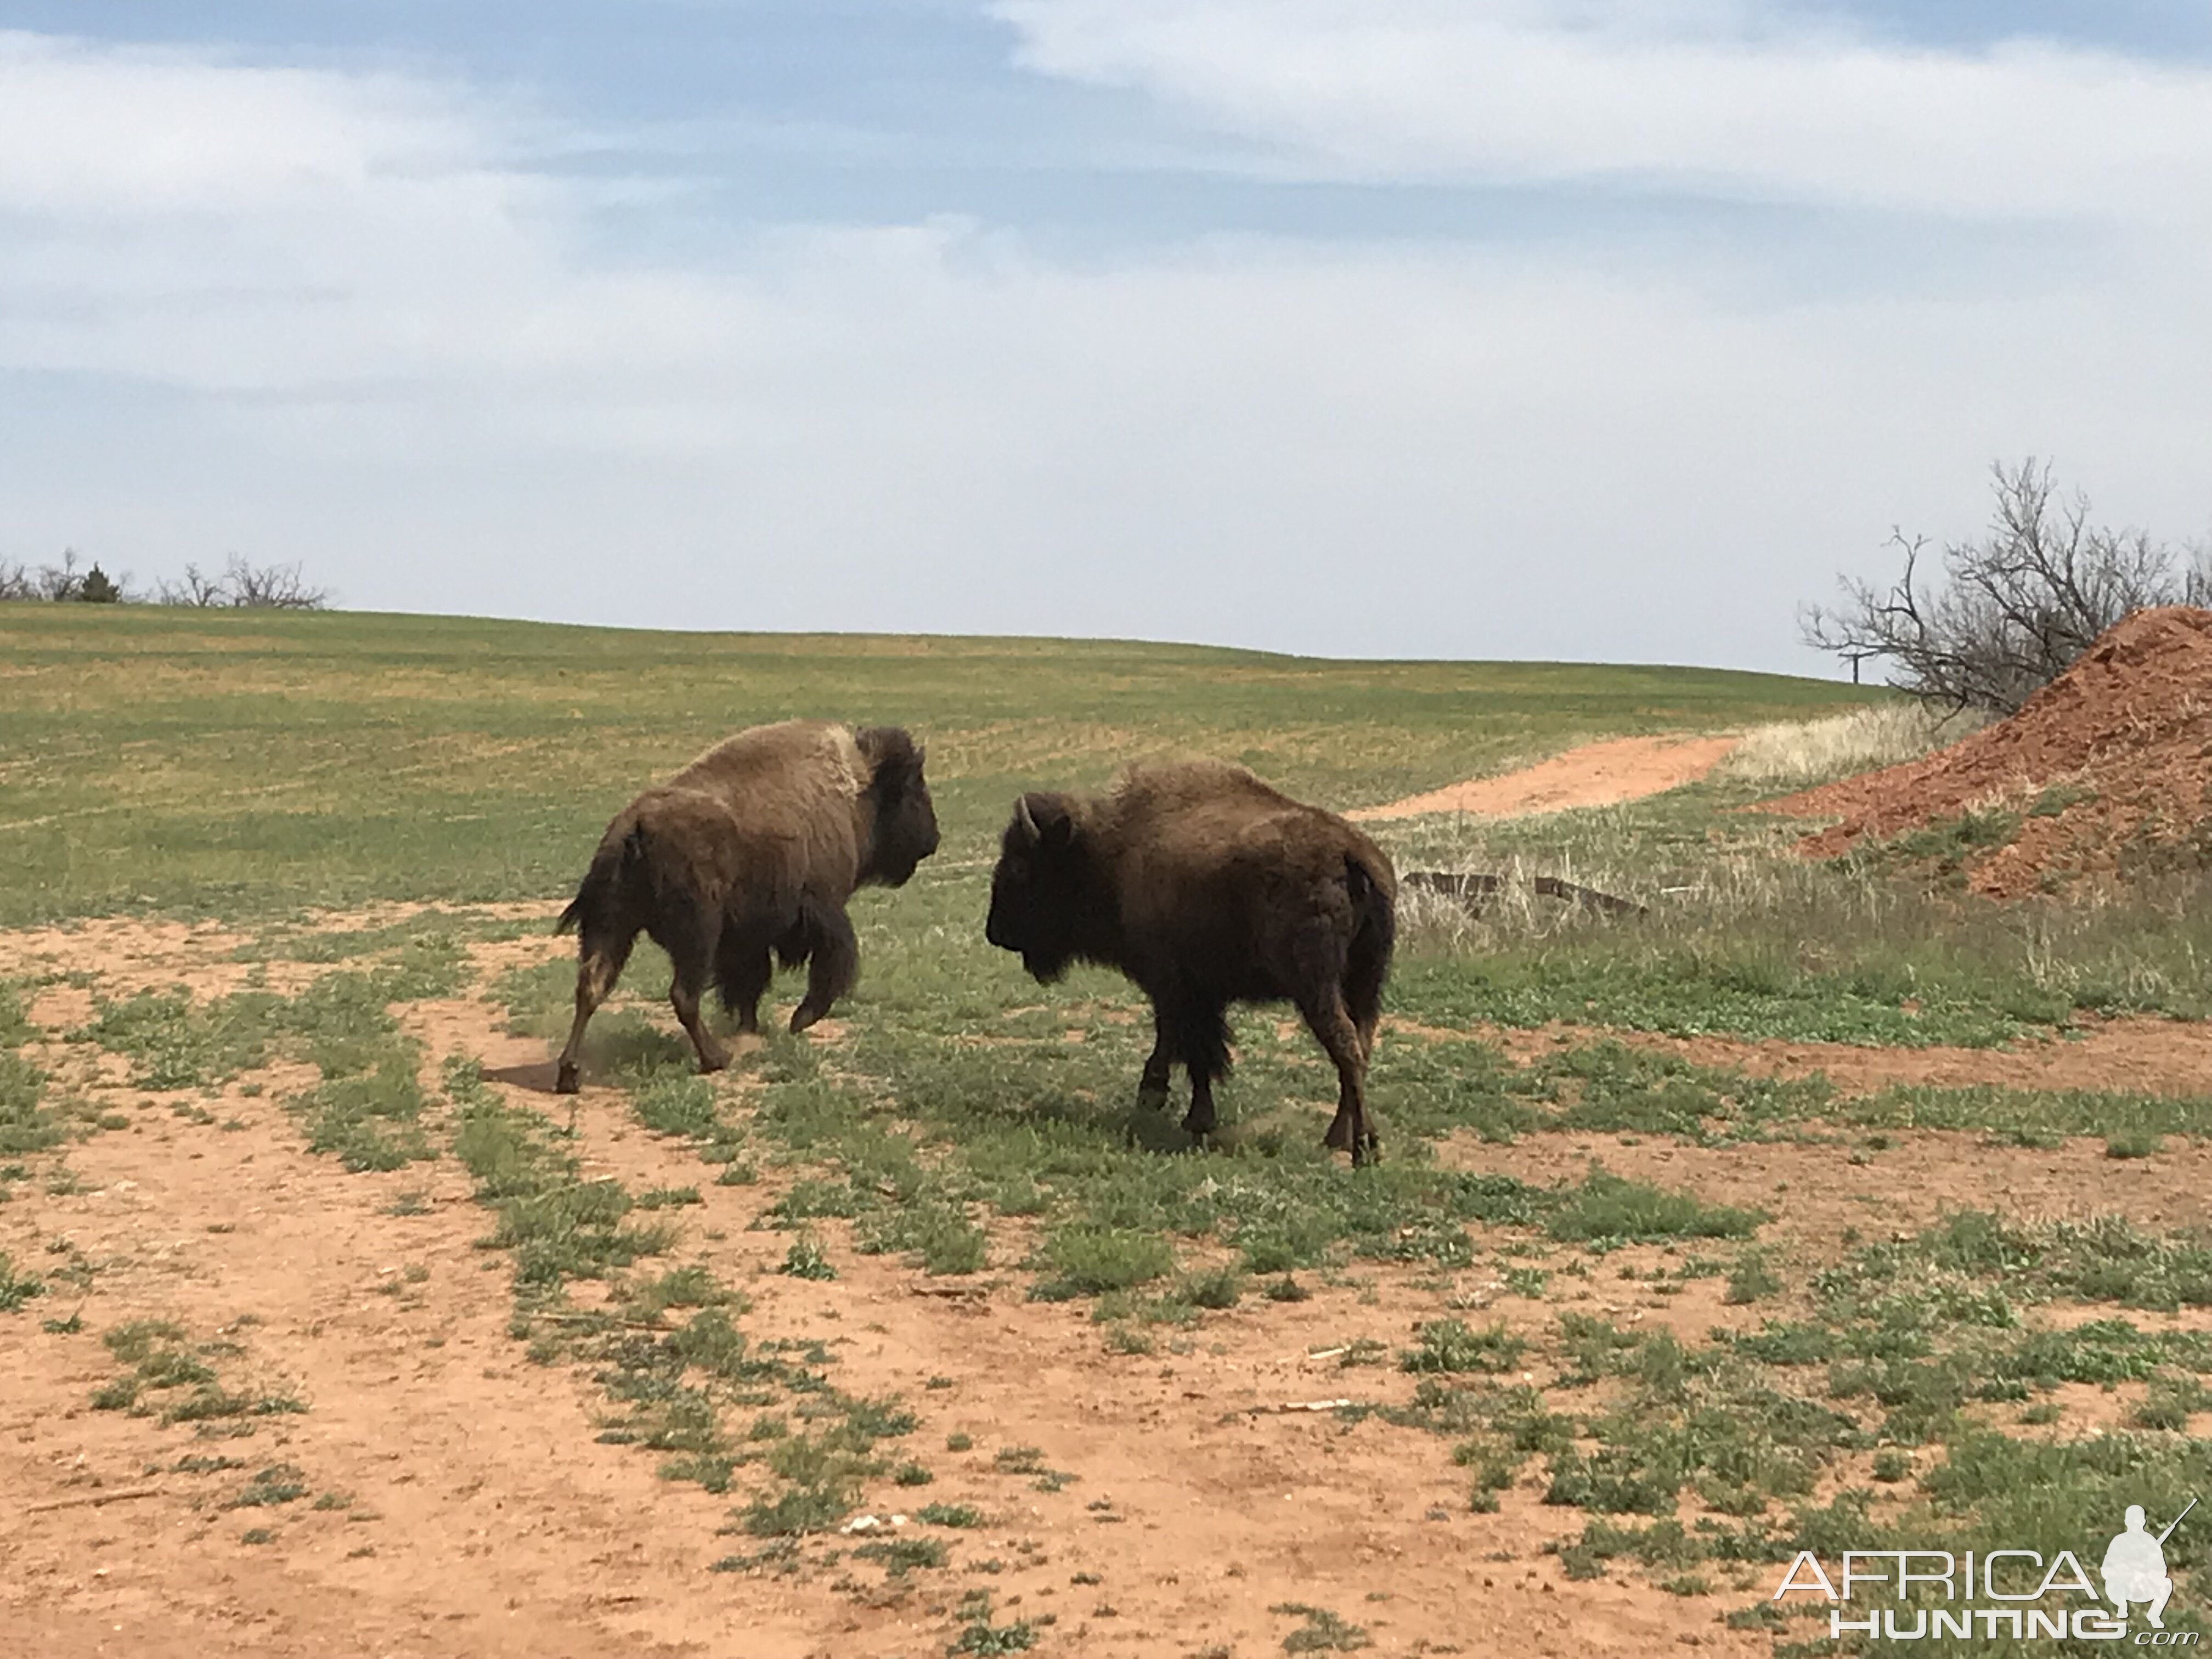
point(1990, 1594)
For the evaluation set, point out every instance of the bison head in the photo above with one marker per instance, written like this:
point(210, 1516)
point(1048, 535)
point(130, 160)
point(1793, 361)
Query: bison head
point(905, 832)
point(1037, 892)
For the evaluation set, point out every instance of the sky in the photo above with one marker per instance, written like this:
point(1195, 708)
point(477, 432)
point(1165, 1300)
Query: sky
point(1578, 329)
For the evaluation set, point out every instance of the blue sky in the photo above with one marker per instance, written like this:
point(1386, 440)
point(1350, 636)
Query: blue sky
point(1526, 328)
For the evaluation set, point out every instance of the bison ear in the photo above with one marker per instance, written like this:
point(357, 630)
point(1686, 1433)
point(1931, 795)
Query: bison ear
point(894, 757)
point(1044, 821)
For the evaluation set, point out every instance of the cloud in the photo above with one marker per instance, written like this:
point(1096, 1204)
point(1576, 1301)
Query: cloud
point(439, 373)
point(89, 130)
point(1741, 100)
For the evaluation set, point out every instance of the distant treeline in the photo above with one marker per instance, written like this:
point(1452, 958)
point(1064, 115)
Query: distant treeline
point(241, 585)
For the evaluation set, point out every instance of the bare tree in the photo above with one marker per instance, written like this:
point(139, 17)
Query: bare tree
point(16, 582)
point(63, 583)
point(245, 586)
point(197, 590)
point(2010, 611)
point(271, 586)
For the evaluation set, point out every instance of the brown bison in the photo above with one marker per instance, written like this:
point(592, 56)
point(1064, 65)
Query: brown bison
point(752, 849)
point(1207, 887)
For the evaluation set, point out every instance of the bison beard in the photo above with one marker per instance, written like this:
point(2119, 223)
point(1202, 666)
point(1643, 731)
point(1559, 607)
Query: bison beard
point(749, 854)
point(1207, 887)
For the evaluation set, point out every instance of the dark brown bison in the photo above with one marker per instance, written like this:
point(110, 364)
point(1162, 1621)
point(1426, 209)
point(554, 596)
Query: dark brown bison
point(1207, 887)
point(753, 848)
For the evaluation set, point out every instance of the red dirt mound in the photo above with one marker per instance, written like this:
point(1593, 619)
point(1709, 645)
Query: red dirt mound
point(2110, 762)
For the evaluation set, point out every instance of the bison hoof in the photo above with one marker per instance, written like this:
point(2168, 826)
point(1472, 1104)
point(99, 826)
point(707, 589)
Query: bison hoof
point(565, 1081)
point(713, 1060)
point(1152, 1100)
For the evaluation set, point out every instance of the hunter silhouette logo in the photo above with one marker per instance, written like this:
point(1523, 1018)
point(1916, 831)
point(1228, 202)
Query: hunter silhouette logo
point(2017, 1594)
point(2135, 1567)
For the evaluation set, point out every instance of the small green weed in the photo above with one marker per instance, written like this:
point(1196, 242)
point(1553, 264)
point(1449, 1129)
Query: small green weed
point(279, 1483)
point(900, 1556)
point(1449, 1344)
point(1323, 1632)
point(17, 1288)
point(805, 1260)
point(949, 1514)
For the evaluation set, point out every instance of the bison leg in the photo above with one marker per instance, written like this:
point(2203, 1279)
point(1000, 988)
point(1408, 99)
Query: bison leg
point(835, 965)
point(1202, 1034)
point(743, 970)
point(690, 945)
point(599, 965)
point(1152, 1087)
point(1332, 1026)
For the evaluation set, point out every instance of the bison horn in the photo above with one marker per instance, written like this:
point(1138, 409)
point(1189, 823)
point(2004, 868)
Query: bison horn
point(1030, 833)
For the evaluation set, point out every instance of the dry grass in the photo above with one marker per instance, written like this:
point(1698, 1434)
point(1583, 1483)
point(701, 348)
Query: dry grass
point(1736, 917)
point(1797, 754)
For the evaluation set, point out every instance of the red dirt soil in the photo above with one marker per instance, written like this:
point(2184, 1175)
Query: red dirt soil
point(2122, 740)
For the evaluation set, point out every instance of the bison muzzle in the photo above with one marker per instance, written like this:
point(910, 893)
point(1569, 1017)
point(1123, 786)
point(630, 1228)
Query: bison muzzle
point(751, 851)
point(1207, 887)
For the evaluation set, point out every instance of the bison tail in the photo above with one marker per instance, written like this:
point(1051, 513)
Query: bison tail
point(616, 867)
point(1374, 936)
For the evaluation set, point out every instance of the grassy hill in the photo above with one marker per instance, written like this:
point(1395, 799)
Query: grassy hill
point(243, 762)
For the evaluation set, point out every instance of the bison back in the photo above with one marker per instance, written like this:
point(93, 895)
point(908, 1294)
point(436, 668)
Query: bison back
point(1245, 898)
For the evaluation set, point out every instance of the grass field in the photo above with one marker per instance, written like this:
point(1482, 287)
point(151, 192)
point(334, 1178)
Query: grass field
point(245, 763)
point(1805, 1212)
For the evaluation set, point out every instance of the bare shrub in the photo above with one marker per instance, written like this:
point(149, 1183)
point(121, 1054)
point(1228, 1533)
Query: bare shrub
point(271, 586)
point(1798, 754)
point(246, 586)
point(63, 583)
point(194, 589)
point(242, 585)
point(2012, 611)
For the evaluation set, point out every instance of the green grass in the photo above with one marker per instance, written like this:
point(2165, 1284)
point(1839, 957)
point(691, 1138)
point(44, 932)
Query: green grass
point(367, 1109)
point(900, 1556)
point(278, 1484)
point(949, 1514)
point(26, 1124)
point(369, 1121)
point(1448, 1345)
point(174, 1042)
point(165, 1373)
point(259, 762)
point(1607, 1210)
point(672, 1387)
point(1920, 1341)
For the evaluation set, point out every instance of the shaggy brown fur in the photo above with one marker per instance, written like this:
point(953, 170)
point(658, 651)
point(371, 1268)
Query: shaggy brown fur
point(754, 848)
point(1207, 887)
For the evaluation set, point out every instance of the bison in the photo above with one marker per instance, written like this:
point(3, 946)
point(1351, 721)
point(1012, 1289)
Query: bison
point(753, 848)
point(1207, 887)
